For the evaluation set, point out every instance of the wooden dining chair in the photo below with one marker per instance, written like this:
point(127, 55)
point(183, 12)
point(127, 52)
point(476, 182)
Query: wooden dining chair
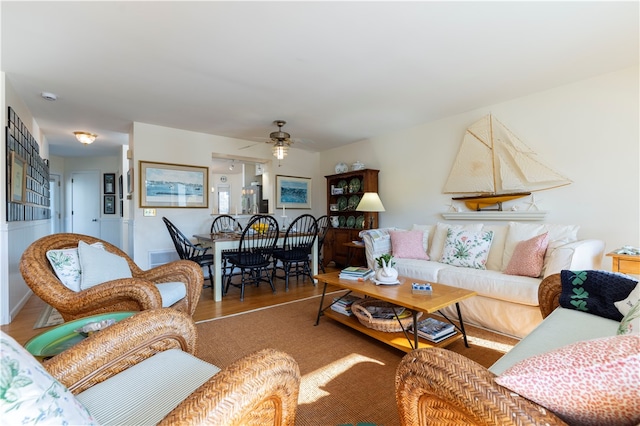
point(294, 257)
point(323, 228)
point(253, 257)
point(225, 224)
point(187, 250)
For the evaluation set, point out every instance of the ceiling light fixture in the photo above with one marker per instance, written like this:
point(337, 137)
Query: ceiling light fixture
point(281, 141)
point(85, 138)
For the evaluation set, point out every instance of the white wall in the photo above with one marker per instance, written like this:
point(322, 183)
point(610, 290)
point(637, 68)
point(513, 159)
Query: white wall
point(15, 237)
point(163, 144)
point(588, 131)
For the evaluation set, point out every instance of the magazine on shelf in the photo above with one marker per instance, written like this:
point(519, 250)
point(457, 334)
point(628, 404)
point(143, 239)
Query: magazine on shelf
point(346, 300)
point(384, 312)
point(344, 310)
point(431, 328)
point(439, 339)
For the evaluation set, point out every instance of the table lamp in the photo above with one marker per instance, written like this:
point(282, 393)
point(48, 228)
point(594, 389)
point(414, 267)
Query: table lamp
point(370, 202)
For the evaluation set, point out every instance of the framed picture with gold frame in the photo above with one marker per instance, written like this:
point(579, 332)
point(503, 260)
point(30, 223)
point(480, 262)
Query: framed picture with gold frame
point(293, 192)
point(18, 184)
point(173, 185)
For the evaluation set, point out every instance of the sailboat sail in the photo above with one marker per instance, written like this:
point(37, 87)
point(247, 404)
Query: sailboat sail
point(493, 162)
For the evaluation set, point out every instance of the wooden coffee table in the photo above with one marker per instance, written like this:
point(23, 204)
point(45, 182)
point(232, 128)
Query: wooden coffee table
point(401, 295)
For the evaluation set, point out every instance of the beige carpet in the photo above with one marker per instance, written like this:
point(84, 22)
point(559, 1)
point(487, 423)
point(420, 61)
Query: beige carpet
point(347, 377)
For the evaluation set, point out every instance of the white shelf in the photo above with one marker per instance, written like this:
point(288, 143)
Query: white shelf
point(496, 215)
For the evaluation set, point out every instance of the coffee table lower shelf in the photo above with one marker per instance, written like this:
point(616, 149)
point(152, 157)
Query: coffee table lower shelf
point(398, 339)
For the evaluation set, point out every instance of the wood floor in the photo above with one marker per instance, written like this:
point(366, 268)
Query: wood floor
point(21, 328)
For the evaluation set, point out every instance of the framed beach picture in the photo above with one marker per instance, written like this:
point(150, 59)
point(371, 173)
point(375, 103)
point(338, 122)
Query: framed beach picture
point(109, 183)
point(294, 192)
point(173, 185)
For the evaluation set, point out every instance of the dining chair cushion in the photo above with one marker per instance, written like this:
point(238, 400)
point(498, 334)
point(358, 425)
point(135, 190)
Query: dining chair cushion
point(99, 266)
point(31, 395)
point(148, 391)
point(66, 265)
point(171, 292)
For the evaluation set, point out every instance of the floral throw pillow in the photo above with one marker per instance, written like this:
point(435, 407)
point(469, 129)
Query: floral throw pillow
point(631, 321)
point(468, 249)
point(66, 265)
point(29, 395)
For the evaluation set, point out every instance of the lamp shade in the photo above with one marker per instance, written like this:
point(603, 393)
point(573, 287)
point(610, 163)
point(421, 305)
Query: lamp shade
point(370, 202)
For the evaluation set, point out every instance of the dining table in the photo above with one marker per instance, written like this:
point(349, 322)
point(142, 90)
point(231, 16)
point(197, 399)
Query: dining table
point(222, 241)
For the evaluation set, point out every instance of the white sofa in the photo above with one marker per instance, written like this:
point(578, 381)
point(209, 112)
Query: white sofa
point(504, 303)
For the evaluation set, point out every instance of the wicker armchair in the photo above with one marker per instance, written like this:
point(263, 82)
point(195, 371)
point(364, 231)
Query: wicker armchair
point(437, 386)
point(259, 389)
point(127, 294)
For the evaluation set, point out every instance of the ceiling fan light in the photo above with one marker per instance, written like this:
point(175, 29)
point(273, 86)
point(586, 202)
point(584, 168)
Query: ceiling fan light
point(280, 151)
point(85, 138)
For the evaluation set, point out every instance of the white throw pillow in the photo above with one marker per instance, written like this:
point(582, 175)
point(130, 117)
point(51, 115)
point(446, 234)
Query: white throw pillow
point(66, 265)
point(440, 236)
point(624, 306)
point(467, 249)
point(99, 266)
point(428, 234)
point(31, 395)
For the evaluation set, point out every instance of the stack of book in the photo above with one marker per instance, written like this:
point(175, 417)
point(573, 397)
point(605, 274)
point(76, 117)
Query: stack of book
point(356, 273)
point(434, 330)
point(343, 304)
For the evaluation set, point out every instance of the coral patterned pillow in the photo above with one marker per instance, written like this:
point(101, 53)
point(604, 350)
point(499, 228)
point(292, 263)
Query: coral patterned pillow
point(408, 245)
point(593, 382)
point(528, 257)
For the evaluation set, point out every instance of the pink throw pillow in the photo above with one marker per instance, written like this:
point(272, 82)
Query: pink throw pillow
point(408, 245)
point(528, 257)
point(592, 382)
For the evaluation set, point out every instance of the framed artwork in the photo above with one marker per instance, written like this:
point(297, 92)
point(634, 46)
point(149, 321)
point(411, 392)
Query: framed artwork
point(173, 185)
point(294, 192)
point(120, 187)
point(18, 185)
point(130, 181)
point(109, 182)
point(109, 204)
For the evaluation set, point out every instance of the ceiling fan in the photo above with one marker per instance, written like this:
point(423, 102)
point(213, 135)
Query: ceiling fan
point(281, 140)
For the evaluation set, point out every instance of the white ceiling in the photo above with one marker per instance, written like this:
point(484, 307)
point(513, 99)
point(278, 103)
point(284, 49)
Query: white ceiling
point(337, 72)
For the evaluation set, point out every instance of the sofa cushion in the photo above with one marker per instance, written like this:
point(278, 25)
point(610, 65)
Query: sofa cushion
point(171, 293)
point(468, 249)
point(146, 392)
point(562, 327)
point(66, 265)
point(427, 270)
point(528, 257)
point(99, 266)
point(558, 236)
point(494, 261)
point(408, 244)
point(440, 237)
point(595, 292)
point(31, 395)
point(493, 284)
point(593, 382)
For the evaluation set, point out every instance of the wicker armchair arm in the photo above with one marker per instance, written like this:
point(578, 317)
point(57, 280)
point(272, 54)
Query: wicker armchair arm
point(136, 290)
point(185, 271)
point(549, 294)
point(259, 389)
point(121, 346)
point(437, 386)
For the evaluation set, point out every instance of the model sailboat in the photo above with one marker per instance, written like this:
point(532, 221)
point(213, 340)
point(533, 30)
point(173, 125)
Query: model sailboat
point(494, 166)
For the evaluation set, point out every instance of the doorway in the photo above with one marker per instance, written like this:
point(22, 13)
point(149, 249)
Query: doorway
point(85, 203)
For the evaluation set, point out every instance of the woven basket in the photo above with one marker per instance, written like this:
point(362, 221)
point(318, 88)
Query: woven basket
point(359, 309)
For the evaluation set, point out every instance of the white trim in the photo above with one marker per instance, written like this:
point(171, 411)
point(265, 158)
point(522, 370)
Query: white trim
point(496, 215)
